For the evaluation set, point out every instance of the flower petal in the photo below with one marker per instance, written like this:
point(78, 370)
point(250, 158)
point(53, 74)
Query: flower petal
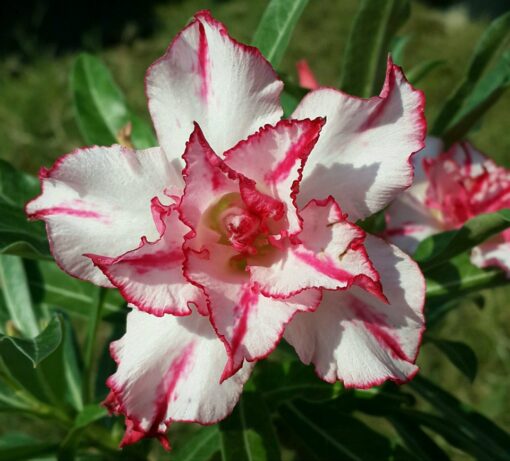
point(356, 338)
point(151, 276)
point(330, 254)
point(363, 155)
point(494, 252)
point(229, 88)
point(249, 323)
point(169, 370)
point(98, 200)
point(409, 222)
point(306, 76)
point(206, 181)
point(274, 158)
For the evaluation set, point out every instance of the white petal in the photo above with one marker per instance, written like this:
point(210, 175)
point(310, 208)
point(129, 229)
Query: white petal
point(169, 370)
point(207, 77)
point(98, 200)
point(363, 155)
point(354, 337)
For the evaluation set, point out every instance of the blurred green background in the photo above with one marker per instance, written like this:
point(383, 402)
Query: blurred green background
point(39, 40)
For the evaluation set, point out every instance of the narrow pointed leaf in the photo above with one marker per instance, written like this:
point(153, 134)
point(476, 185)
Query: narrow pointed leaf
point(493, 39)
point(398, 47)
point(17, 297)
point(419, 443)
point(440, 248)
point(451, 433)
point(364, 61)
point(494, 440)
point(458, 278)
point(100, 106)
point(459, 354)
point(248, 433)
point(492, 86)
point(420, 71)
point(201, 447)
point(275, 28)
point(328, 434)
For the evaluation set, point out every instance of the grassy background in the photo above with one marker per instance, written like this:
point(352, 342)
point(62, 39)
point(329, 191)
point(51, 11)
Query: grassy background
point(37, 125)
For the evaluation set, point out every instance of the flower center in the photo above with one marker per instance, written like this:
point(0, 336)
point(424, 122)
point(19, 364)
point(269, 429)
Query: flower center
point(241, 228)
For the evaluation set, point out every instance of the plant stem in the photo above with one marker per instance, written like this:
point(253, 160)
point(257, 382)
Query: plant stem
point(90, 342)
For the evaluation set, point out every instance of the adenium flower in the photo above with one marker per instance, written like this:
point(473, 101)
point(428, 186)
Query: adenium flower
point(240, 230)
point(452, 187)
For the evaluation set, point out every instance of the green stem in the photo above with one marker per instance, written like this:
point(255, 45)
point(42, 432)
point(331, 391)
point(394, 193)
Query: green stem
point(90, 342)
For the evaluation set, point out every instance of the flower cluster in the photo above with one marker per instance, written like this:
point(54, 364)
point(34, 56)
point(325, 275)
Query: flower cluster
point(240, 229)
point(450, 188)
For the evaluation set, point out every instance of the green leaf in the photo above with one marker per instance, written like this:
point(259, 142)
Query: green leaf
point(329, 434)
point(88, 415)
point(364, 62)
point(248, 434)
point(17, 446)
point(9, 399)
point(494, 440)
point(201, 447)
point(90, 343)
point(459, 354)
point(279, 382)
point(440, 248)
point(53, 288)
point(38, 348)
point(419, 443)
point(100, 106)
point(451, 433)
point(52, 380)
point(458, 278)
point(397, 48)
point(17, 235)
point(275, 28)
point(487, 48)
point(484, 96)
point(16, 293)
point(420, 71)
point(438, 307)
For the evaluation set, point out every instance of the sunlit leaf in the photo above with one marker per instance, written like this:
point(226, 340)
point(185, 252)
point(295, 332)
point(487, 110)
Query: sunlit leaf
point(364, 61)
point(100, 106)
point(458, 278)
point(275, 28)
point(491, 87)
point(487, 49)
point(17, 297)
point(440, 248)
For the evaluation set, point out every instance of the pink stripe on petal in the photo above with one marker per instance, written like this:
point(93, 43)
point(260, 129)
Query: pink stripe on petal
point(62, 210)
point(203, 62)
point(324, 266)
